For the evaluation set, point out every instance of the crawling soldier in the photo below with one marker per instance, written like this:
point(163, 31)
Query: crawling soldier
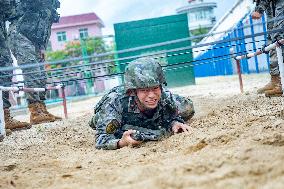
point(141, 110)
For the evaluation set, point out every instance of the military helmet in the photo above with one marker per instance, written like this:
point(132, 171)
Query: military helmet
point(143, 73)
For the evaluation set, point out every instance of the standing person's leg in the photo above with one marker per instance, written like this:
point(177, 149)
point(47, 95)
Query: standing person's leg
point(26, 53)
point(273, 64)
point(274, 67)
point(5, 61)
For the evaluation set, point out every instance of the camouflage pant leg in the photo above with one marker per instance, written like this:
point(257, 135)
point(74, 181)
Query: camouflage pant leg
point(277, 24)
point(26, 53)
point(5, 61)
point(279, 13)
point(273, 66)
point(185, 107)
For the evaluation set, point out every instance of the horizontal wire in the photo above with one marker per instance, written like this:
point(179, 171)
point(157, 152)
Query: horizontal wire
point(89, 64)
point(121, 73)
point(190, 47)
point(230, 56)
point(128, 50)
point(105, 67)
point(29, 81)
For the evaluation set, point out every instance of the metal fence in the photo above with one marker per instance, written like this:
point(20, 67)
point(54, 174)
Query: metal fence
point(220, 66)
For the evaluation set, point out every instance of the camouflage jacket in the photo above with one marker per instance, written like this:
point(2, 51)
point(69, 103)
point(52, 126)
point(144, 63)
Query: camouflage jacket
point(6, 9)
point(34, 18)
point(263, 5)
point(117, 109)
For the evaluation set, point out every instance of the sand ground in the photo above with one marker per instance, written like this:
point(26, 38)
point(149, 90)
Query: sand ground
point(237, 142)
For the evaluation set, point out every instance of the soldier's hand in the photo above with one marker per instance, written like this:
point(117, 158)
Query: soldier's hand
point(256, 15)
point(127, 140)
point(180, 127)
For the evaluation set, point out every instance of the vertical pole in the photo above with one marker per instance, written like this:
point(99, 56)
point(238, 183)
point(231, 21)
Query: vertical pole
point(281, 64)
point(253, 44)
point(64, 101)
point(87, 72)
point(243, 47)
point(240, 75)
point(2, 120)
point(265, 38)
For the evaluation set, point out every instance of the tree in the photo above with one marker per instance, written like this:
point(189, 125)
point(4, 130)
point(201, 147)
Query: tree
point(81, 48)
point(199, 31)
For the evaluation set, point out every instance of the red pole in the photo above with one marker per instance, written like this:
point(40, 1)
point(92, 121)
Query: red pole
point(64, 101)
point(240, 75)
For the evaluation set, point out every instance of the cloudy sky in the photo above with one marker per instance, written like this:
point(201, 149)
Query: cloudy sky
point(116, 11)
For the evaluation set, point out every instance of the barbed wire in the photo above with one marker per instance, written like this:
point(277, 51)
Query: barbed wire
point(177, 54)
point(29, 81)
point(125, 63)
point(157, 53)
point(121, 73)
point(31, 65)
point(218, 58)
point(121, 64)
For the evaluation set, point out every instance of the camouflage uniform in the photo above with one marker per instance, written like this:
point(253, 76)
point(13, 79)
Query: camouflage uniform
point(119, 107)
point(29, 33)
point(5, 55)
point(273, 11)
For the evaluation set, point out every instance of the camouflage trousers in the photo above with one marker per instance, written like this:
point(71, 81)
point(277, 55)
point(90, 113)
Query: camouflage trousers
point(5, 60)
point(277, 24)
point(26, 53)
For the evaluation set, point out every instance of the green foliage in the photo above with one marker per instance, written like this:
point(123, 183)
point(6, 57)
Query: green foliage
point(82, 48)
point(76, 47)
point(199, 31)
point(56, 55)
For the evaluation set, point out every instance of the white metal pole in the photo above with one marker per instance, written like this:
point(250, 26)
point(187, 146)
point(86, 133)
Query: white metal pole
point(2, 121)
point(281, 65)
point(266, 49)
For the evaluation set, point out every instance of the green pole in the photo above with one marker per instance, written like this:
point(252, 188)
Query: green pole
point(87, 73)
point(118, 67)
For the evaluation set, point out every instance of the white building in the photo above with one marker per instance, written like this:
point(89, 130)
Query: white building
point(200, 14)
point(227, 22)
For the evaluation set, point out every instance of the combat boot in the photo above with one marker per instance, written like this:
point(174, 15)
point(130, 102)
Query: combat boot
point(268, 86)
point(38, 115)
point(277, 87)
point(46, 112)
point(12, 124)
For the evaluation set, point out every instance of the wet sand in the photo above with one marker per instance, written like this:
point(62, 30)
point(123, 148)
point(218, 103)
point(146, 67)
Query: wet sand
point(237, 142)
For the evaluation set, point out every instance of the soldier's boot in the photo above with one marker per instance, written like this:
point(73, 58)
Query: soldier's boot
point(268, 86)
point(12, 124)
point(38, 115)
point(46, 112)
point(277, 87)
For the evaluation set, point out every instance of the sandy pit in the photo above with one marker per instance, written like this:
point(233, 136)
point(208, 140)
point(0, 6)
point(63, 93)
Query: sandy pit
point(237, 142)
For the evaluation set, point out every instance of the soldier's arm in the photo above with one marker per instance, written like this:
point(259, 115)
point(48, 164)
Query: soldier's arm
point(108, 121)
point(185, 107)
point(171, 112)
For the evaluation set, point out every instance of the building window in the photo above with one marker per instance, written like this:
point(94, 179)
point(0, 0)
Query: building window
point(83, 33)
point(61, 36)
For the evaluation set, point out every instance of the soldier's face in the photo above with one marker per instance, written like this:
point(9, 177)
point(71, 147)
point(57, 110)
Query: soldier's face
point(149, 97)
